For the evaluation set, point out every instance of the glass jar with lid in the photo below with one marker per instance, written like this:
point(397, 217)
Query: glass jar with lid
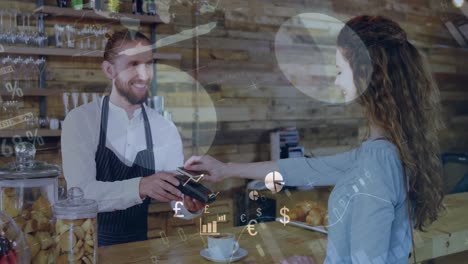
point(28, 188)
point(13, 248)
point(76, 228)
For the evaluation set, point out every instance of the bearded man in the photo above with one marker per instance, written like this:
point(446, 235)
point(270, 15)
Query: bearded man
point(120, 152)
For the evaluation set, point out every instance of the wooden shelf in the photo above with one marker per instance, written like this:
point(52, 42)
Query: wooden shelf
point(33, 92)
point(87, 14)
point(76, 52)
point(9, 133)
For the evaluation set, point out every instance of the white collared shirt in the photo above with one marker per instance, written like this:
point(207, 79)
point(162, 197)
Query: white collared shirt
point(125, 137)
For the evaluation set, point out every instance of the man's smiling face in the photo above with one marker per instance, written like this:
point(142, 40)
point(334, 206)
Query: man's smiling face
point(133, 73)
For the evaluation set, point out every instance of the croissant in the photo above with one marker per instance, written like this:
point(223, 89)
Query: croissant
point(314, 218)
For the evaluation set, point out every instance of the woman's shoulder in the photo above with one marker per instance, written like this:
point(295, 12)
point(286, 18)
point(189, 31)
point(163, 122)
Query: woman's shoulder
point(381, 168)
point(380, 152)
point(380, 144)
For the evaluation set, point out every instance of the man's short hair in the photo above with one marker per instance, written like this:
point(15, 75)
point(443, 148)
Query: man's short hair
point(117, 39)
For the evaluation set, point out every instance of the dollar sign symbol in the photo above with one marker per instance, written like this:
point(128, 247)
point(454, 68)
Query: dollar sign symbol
point(283, 213)
point(259, 212)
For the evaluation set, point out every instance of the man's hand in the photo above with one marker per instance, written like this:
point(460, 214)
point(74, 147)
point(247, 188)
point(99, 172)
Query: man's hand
point(160, 186)
point(192, 205)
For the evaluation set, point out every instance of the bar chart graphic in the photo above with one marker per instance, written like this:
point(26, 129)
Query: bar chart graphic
point(209, 229)
point(221, 218)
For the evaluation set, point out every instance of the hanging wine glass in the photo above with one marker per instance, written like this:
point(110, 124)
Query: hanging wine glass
point(8, 76)
point(95, 31)
point(34, 35)
point(59, 30)
point(22, 74)
point(103, 33)
point(28, 15)
point(8, 31)
point(13, 35)
point(29, 65)
point(2, 29)
point(16, 78)
point(29, 33)
point(70, 33)
point(79, 38)
point(41, 35)
point(22, 33)
point(34, 73)
point(3, 68)
point(88, 33)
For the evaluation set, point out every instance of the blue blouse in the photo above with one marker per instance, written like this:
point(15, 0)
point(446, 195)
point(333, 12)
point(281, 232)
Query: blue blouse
point(367, 209)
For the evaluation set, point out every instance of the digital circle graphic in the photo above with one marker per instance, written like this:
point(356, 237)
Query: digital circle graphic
point(253, 195)
point(274, 181)
point(306, 51)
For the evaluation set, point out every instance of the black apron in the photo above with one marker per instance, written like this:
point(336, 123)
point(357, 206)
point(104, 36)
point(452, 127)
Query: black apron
point(131, 224)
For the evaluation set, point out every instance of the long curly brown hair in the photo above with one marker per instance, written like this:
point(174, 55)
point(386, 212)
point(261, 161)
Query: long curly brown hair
point(399, 95)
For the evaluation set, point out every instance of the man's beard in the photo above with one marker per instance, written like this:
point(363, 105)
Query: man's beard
point(128, 93)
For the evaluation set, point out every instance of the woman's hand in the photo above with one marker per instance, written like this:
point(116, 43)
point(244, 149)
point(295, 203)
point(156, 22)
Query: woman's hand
point(216, 169)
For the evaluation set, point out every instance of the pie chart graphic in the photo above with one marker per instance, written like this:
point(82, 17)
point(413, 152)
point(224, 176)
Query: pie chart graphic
point(274, 181)
point(253, 195)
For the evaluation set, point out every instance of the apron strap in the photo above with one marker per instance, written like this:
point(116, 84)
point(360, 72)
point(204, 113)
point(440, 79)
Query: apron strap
point(148, 135)
point(104, 118)
point(150, 162)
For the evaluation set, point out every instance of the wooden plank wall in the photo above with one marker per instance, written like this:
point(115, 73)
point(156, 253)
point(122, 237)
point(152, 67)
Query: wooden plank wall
point(244, 94)
point(252, 95)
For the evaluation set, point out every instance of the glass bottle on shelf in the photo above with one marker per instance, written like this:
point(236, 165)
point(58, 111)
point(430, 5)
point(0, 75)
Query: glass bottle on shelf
point(42, 38)
point(137, 6)
point(77, 4)
point(113, 6)
point(151, 7)
point(91, 4)
point(158, 104)
point(167, 115)
point(62, 3)
point(59, 31)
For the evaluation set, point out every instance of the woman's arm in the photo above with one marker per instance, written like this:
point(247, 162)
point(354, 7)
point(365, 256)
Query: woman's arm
point(219, 170)
point(295, 171)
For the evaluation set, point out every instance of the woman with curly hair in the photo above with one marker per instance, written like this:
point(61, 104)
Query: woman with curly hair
point(392, 182)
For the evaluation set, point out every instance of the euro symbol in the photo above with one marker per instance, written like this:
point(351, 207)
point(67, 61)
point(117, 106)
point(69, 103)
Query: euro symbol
point(251, 227)
point(242, 218)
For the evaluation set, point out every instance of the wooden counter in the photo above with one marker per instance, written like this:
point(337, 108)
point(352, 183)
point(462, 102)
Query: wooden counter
point(449, 234)
point(274, 241)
